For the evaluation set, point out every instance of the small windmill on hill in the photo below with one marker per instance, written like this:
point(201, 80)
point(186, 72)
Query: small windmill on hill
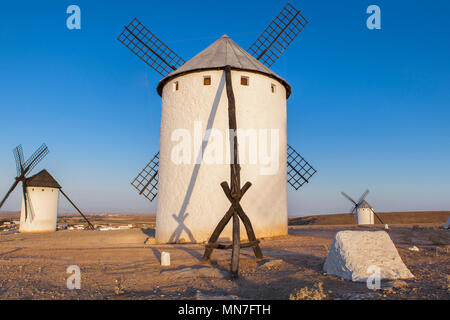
point(362, 209)
point(39, 194)
point(220, 87)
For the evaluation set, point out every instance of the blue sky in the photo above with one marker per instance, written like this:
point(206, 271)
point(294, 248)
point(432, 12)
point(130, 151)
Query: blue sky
point(369, 108)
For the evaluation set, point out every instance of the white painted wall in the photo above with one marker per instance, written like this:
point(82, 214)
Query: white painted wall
point(364, 216)
point(42, 210)
point(192, 193)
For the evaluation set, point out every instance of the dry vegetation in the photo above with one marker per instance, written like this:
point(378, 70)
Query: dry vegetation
point(314, 293)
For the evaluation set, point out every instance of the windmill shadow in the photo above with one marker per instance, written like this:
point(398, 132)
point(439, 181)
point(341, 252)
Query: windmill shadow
point(175, 237)
point(30, 208)
point(181, 216)
point(149, 232)
point(194, 253)
point(157, 254)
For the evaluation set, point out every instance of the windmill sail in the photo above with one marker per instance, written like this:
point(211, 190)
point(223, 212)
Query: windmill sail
point(23, 169)
point(144, 44)
point(299, 171)
point(278, 35)
point(146, 181)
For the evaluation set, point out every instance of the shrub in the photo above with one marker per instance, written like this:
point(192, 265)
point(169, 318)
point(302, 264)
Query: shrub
point(314, 293)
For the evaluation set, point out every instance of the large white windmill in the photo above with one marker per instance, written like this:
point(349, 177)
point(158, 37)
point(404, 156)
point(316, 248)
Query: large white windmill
point(224, 88)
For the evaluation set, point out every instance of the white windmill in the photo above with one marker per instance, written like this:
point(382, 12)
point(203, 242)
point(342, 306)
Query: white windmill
point(39, 211)
point(223, 88)
point(362, 209)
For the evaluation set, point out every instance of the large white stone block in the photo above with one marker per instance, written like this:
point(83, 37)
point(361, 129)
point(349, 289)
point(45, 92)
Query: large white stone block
point(354, 253)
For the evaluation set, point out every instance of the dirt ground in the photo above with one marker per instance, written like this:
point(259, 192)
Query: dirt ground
point(124, 264)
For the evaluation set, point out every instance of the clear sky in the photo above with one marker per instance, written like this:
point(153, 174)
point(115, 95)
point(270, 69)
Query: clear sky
point(369, 108)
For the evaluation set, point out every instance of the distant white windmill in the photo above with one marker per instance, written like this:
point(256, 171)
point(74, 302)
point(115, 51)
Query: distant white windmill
point(40, 192)
point(363, 210)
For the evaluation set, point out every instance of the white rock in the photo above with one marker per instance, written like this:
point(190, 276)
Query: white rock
point(413, 248)
point(353, 252)
point(165, 259)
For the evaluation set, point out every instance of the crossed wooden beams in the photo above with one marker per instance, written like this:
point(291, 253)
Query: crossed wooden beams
point(234, 194)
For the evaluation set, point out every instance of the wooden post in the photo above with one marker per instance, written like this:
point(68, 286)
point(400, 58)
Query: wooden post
point(79, 211)
point(234, 193)
point(236, 247)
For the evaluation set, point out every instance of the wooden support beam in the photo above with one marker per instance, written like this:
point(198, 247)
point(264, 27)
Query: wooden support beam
point(224, 221)
point(234, 194)
point(79, 211)
point(220, 246)
point(236, 246)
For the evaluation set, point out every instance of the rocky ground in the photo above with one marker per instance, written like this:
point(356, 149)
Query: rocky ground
point(126, 265)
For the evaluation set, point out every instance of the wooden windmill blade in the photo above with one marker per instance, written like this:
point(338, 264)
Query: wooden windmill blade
point(146, 181)
point(18, 156)
point(23, 169)
point(349, 198)
point(299, 171)
point(144, 44)
point(363, 196)
point(37, 156)
point(278, 35)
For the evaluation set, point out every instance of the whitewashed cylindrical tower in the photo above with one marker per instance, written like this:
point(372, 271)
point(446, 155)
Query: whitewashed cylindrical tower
point(42, 204)
point(195, 151)
point(364, 213)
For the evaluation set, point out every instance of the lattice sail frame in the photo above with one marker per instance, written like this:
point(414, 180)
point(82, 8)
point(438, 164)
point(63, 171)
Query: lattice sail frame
point(146, 181)
point(278, 35)
point(299, 171)
point(144, 44)
point(18, 156)
point(34, 159)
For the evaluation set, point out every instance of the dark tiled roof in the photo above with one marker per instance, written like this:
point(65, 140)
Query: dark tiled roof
point(43, 179)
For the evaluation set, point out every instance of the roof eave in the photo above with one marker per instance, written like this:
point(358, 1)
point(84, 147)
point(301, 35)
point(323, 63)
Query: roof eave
point(168, 78)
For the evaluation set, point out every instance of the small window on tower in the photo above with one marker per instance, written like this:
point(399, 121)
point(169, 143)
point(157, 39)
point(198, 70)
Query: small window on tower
point(244, 81)
point(207, 80)
point(273, 88)
point(175, 86)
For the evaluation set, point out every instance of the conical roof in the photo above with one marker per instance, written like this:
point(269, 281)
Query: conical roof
point(365, 204)
point(221, 53)
point(42, 179)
